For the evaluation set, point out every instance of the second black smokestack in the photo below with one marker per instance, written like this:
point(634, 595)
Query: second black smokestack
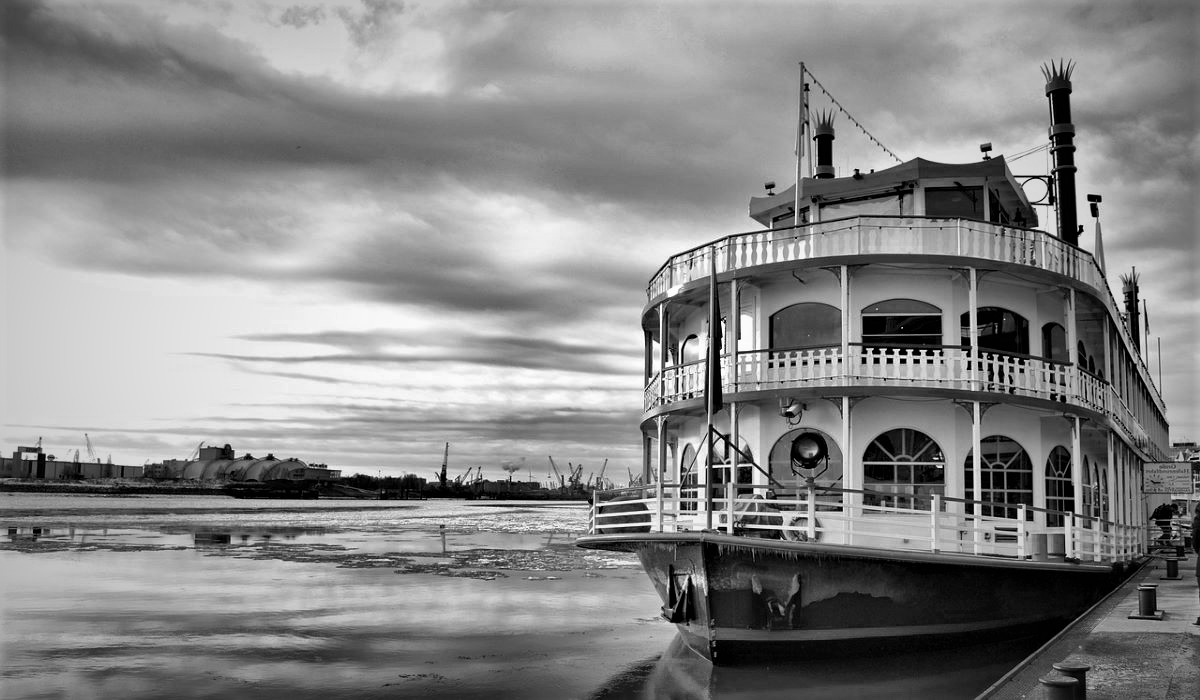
point(1062, 147)
point(823, 135)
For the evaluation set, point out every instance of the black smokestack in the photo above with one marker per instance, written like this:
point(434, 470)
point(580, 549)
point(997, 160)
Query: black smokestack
point(1062, 147)
point(1130, 284)
point(823, 135)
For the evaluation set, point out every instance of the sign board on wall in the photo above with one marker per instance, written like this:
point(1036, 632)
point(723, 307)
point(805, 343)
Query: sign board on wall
point(1167, 477)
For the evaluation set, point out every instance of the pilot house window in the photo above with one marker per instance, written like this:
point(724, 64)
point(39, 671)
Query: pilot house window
point(954, 202)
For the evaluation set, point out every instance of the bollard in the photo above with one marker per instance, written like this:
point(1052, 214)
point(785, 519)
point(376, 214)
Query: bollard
point(1147, 600)
point(1079, 673)
point(1147, 603)
point(1059, 687)
point(1172, 570)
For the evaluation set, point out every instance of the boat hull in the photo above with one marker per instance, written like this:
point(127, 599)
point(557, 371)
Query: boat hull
point(735, 599)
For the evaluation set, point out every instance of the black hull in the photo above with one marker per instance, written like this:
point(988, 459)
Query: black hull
point(736, 599)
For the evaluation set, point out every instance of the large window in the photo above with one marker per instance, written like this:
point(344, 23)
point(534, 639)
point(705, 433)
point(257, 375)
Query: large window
point(901, 322)
point(689, 467)
point(806, 325)
point(903, 468)
point(1054, 343)
point(999, 329)
point(1007, 477)
point(1060, 494)
point(691, 351)
point(955, 202)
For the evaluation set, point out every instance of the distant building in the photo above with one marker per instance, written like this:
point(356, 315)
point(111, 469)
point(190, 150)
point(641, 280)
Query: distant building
point(34, 463)
point(220, 464)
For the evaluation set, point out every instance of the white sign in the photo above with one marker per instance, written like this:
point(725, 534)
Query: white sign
point(1167, 477)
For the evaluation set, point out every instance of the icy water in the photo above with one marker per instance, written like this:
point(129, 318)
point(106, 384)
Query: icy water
point(128, 597)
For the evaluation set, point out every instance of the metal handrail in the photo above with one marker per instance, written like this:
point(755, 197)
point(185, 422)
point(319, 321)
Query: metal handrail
point(839, 515)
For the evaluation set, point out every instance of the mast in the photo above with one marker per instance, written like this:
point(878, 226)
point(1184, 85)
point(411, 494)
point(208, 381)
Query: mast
point(801, 129)
point(712, 380)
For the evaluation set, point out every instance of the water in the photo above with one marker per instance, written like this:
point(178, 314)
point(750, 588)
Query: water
point(208, 597)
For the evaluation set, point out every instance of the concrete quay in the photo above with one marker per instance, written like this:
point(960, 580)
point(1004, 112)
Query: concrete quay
point(1149, 659)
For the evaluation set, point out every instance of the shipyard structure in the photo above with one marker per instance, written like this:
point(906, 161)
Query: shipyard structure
point(206, 464)
point(221, 464)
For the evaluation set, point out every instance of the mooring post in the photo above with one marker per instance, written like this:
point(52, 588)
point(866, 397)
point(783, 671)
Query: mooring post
point(1172, 569)
point(1059, 687)
point(1079, 673)
point(1147, 599)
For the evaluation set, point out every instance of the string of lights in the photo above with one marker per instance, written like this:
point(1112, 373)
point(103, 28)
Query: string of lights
point(850, 116)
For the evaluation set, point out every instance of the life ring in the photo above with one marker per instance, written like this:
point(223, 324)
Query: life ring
point(796, 529)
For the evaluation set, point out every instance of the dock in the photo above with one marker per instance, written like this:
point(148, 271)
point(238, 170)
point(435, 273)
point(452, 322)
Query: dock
point(1128, 654)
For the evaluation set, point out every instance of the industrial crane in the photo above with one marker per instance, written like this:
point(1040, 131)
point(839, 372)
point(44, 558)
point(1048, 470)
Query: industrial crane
point(576, 474)
point(91, 452)
point(557, 474)
point(600, 477)
point(442, 476)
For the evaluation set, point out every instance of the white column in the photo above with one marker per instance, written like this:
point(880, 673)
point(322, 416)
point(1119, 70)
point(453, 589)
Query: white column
point(1077, 465)
point(1072, 347)
point(663, 351)
point(845, 301)
point(976, 467)
point(973, 322)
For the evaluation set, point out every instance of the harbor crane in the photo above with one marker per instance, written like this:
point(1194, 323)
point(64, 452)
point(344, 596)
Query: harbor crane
point(91, 452)
point(576, 475)
point(557, 474)
point(445, 458)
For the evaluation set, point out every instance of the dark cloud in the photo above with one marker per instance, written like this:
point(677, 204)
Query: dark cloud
point(300, 16)
point(373, 23)
point(479, 350)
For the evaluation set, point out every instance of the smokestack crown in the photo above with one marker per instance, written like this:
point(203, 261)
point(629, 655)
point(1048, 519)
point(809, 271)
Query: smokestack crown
point(1058, 77)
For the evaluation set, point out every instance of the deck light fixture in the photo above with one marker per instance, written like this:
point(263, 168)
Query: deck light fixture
point(985, 148)
point(791, 410)
point(1094, 200)
point(768, 186)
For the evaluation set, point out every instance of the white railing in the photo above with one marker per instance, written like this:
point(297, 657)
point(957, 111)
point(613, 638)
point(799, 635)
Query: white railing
point(941, 367)
point(937, 367)
point(857, 518)
point(896, 235)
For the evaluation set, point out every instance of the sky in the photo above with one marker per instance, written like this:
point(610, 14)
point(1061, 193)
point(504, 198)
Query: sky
point(353, 231)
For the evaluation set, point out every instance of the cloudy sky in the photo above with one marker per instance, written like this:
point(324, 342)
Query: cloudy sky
point(351, 231)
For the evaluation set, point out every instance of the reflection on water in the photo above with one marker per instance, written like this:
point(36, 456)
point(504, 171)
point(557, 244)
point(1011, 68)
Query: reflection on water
point(147, 598)
point(680, 674)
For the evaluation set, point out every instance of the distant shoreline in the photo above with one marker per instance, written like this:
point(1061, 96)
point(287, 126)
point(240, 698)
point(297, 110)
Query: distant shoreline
point(113, 487)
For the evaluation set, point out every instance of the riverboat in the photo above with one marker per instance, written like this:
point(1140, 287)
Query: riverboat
point(920, 419)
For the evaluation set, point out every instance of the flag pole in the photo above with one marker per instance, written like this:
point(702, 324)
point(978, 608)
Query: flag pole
point(801, 125)
point(712, 377)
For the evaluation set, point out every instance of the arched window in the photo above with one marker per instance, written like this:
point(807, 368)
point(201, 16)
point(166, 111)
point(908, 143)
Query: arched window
point(691, 351)
point(901, 322)
point(689, 467)
point(1007, 477)
point(1060, 494)
point(903, 468)
point(1054, 343)
point(806, 325)
point(780, 464)
point(999, 329)
point(724, 457)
